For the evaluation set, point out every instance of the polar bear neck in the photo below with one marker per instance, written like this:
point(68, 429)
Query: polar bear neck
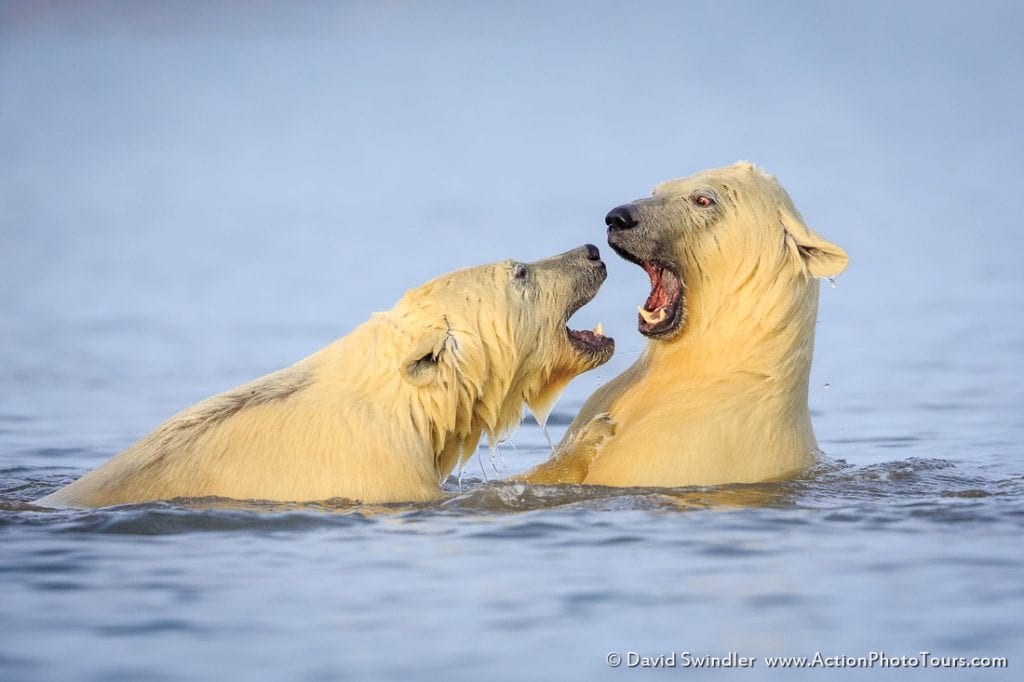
point(733, 382)
point(763, 326)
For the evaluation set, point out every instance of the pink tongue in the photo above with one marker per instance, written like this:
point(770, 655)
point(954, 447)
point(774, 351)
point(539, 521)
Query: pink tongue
point(658, 298)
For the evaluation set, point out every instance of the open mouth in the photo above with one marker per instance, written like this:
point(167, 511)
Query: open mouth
point(661, 314)
point(590, 342)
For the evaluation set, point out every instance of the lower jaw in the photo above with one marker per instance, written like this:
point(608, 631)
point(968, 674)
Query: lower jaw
point(661, 330)
point(593, 357)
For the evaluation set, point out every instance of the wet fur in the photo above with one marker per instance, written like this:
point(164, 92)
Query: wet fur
point(383, 414)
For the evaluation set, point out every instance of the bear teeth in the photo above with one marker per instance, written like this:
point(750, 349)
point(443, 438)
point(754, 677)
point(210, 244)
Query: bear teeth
point(652, 318)
point(599, 329)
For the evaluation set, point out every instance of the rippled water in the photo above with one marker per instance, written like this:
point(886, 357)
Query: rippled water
point(192, 198)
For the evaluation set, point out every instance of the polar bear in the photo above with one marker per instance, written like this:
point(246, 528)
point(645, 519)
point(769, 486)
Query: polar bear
point(385, 413)
point(719, 395)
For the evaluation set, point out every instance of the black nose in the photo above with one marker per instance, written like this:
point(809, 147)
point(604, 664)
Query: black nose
point(621, 218)
point(592, 252)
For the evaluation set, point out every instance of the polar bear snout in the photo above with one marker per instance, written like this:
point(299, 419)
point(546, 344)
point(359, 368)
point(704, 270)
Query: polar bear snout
point(593, 260)
point(621, 218)
point(589, 252)
point(587, 257)
point(634, 232)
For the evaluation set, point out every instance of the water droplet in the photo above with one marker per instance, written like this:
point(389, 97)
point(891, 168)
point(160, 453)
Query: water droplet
point(494, 460)
point(480, 461)
point(832, 281)
point(828, 386)
point(544, 430)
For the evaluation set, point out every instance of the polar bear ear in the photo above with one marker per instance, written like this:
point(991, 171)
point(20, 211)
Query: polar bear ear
point(820, 257)
point(420, 367)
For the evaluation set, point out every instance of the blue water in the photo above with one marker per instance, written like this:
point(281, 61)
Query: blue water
point(194, 195)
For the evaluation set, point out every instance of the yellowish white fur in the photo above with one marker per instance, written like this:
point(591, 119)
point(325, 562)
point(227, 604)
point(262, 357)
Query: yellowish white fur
point(383, 414)
point(724, 398)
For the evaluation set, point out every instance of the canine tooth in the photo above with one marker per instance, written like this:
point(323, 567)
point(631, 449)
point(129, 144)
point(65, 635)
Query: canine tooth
point(652, 318)
point(599, 329)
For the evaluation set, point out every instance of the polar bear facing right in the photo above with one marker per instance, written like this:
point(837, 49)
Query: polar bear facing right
point(385, 413)
point(720, 393)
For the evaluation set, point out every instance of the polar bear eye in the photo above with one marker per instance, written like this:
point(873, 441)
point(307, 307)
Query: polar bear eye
point(703, 200)
point(519, 271)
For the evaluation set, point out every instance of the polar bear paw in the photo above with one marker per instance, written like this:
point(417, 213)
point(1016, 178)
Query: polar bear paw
point(598, 431)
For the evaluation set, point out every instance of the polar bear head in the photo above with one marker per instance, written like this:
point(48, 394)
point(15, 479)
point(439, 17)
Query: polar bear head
point(483, 341)
point(715, 241)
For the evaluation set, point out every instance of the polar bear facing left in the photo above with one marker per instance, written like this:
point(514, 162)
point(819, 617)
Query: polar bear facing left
point(385, 413)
